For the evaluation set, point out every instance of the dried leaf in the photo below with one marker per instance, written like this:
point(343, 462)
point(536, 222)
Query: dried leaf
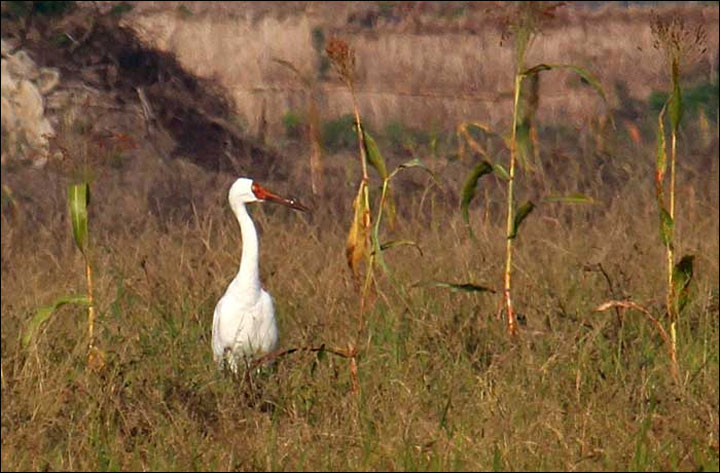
point(356, 247)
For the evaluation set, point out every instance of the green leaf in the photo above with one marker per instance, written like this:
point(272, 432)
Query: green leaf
point(413, 163)
point(377, 252)
point(570, 199)
point(44, 313)
point(392, 244)
point(373, 155)
point(388, 201)
point(497, 462)
point(468, 190)
point(524, 144)
point(676, 100)
point(521, 214)
point(455, 287)
point(589, 78)
point(661, 153)
point(501, 172)
point(78, 199)
point(321, 353)
point(389, 206)
point(666, 227)
point(682, 276)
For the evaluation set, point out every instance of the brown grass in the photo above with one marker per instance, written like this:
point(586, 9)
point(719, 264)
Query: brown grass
point(441, 387)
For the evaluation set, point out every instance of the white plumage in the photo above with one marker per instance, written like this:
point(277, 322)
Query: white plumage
point(244, 319)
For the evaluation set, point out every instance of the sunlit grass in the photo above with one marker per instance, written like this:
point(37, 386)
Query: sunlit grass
point(440, 388)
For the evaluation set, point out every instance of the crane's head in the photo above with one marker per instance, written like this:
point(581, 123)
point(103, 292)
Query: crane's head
point(245, 191)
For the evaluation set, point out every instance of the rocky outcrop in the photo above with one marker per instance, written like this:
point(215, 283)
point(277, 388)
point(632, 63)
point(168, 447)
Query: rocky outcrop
point(25, 128)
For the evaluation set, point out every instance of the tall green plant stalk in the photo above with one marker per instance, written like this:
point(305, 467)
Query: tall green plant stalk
point(676, 110)
point(523, 31)
point(363, 243)
point(365, 191)
point(342, 58)
point(680, 44)
point(524, 20)
point(672, 312)
point(78, 199)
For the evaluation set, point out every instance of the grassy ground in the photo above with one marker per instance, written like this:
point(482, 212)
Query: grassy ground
point(441, 386)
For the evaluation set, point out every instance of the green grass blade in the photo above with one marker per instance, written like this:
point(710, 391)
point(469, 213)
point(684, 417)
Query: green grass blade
point(44, 313)
point(522, 213)
point(377, 251)
point(374, 157)
point(468, 190)
point(570, 199)
point(666, 227)
point(589, 78)
point(78, 196)
point(497, 462)
point(661, 154)
point(455, 287)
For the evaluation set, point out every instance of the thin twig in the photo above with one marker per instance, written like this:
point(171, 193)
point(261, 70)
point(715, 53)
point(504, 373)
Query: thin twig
point(265, 359)
point(653, 320)
point(611, 287)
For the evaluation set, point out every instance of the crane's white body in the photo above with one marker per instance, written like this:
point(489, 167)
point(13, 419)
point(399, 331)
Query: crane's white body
point(244, 319)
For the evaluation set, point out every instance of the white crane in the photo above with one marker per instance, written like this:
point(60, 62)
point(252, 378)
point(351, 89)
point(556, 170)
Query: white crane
point(244, 318)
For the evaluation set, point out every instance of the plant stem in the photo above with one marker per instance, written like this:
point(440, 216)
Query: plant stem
point(366, 197)
point(316, 169)
point(91, 306)
point(671, 307)
point(511, 319)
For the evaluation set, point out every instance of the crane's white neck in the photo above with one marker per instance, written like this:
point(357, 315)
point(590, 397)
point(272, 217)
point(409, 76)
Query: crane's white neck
point(248, 277)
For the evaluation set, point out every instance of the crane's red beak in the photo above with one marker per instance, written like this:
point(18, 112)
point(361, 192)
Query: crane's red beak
point(265, 194)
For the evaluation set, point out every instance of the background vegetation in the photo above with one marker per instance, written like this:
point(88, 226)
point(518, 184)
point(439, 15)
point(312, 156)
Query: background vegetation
point(441, 386)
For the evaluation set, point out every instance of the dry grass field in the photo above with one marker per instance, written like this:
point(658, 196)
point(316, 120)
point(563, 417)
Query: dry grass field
point(441, 385)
